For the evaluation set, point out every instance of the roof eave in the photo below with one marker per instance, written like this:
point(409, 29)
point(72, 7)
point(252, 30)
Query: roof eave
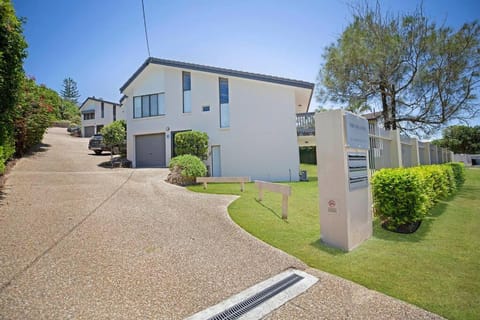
point(216, 70)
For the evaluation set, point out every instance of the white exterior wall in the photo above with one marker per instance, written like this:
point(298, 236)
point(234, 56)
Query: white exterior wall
point(261, 141)
point(120, 113)
point(108, 114)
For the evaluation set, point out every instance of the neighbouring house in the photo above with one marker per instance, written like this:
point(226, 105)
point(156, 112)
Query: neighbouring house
point(250, 118)
point(467, 159)
point(97, 113)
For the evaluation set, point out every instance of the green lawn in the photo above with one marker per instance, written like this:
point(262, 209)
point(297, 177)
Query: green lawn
point(436, 268)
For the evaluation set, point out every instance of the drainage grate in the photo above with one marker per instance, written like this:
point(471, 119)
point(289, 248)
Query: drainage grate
point(250, 303)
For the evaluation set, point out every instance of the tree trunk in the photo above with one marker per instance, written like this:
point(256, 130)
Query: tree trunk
point(393, 119)
point(386, 116)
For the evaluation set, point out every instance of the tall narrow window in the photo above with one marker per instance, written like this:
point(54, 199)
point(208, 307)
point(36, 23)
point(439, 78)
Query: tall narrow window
point(161, 104)
point(145, 106)
point(114, 113)
point(224, 103)
point(153, 105)
point(103, 109)
point(187, 86)
point(137, 107)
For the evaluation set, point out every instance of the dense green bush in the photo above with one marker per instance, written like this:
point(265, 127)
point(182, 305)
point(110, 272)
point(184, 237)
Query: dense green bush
point(68, 110)
point(190, 166)
point(441, 179)
point(399, 196)
point(12, 52)
point(33, 115)
point(192, 142)
point(6, 152)
point(458, 171)
point(405, 195)
point(114, 134)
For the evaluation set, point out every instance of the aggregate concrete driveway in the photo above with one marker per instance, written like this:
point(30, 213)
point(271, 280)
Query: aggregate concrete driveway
point(78, 241)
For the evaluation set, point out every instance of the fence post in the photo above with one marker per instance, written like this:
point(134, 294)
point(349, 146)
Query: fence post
point(284, 206)
point(435, 148)
point(428, 158)
point(415, 152)
point(396, 149)
point(260, 192)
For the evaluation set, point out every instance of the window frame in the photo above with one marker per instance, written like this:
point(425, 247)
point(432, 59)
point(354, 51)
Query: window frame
point(89, 116)
point(224, 105)
point(184, 90)
point(143, 113)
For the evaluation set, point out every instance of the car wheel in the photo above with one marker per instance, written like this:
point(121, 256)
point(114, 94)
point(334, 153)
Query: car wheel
point(97, 152)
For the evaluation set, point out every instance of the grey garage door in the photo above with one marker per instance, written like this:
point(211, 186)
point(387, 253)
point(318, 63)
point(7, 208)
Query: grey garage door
point(150, 150)
point(88, 131)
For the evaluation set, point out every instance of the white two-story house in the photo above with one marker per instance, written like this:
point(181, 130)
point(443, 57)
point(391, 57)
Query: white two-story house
point(250, 118)
point(97, 113)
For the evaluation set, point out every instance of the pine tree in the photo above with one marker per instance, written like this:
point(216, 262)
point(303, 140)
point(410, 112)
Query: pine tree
point(70, 91)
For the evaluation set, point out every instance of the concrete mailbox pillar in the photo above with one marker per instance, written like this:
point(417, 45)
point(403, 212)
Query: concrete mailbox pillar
point(342, 165)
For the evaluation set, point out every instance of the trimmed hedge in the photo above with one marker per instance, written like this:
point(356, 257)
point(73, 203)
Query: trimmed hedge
point(458, 171)
point(405, 195)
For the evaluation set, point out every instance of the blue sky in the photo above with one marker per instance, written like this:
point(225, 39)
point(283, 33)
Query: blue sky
point(101, 43)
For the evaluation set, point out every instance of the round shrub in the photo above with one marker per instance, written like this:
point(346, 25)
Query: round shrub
point(185, 168)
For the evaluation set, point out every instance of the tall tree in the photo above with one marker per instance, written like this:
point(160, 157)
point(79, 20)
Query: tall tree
point(461, 139)
point(420, 75)
point(12, 53)
point(70, 91)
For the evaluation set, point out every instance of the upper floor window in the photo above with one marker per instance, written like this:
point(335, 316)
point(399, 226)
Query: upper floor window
point(150, 105)
point(102, 106)
point(114, 112)
point(224, 103)
point(89, 116)
point(187, 89)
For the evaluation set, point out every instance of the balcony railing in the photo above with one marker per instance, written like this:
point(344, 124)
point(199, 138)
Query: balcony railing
point(306, 124)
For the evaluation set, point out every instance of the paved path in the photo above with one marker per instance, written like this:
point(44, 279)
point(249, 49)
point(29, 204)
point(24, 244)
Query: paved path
point(83, 242)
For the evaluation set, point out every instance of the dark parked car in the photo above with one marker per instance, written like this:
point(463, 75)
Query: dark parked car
point(96, 144)
point(75, 130)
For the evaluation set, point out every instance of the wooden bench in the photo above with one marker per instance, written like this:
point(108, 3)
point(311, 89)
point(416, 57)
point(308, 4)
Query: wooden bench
point(206, 180)
point(284, 190)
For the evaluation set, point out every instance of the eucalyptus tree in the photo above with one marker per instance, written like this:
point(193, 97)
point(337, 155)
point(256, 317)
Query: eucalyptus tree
point(420, 75)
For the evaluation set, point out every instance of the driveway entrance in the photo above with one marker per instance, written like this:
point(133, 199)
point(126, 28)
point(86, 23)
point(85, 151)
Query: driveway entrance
point(79, 241)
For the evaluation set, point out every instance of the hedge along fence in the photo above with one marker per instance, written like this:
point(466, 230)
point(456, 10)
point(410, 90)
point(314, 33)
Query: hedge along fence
point(405, 195)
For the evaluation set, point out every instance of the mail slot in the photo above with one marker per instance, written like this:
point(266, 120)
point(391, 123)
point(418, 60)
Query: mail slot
point(357, 171)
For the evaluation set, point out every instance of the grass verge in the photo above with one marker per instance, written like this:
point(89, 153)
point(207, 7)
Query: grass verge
point(437, 268)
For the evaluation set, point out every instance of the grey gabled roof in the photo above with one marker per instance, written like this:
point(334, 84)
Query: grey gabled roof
point(97, 99)
point(221, 71)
